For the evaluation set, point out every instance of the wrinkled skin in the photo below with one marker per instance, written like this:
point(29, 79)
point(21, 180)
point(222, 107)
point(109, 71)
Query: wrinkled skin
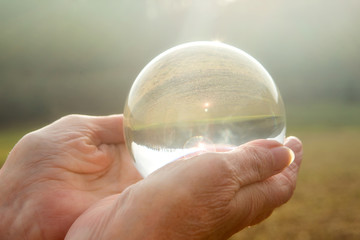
point(211, 196)
point(79, 169)
point(53, 174)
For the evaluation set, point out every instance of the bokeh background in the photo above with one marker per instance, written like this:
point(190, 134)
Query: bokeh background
point(81, 56)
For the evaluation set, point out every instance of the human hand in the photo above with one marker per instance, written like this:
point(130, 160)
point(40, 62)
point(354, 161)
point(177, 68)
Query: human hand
point(210, 196)
point(52, 175)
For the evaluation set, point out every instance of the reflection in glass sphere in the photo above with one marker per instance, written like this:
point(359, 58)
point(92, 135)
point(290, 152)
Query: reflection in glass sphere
point(198, 97)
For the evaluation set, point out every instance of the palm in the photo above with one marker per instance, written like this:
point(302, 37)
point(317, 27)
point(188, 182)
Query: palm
point(77, 164)
point(210, 196)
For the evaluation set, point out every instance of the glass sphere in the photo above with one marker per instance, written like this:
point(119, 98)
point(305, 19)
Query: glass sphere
point(199, 97)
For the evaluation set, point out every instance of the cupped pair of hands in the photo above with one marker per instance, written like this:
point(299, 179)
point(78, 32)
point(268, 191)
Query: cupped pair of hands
point(75, 179)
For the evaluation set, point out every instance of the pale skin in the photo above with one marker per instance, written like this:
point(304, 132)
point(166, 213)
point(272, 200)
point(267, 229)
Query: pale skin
point(74, 179)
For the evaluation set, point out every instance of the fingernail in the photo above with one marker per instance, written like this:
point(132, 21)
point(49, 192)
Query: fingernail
point(292, 154)
point(284, 156)
point(294, 143)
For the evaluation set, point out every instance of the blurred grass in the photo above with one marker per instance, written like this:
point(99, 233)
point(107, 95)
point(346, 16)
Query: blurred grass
point(326, 202)
point(323, 115)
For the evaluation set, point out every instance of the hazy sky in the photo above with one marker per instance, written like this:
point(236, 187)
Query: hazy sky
point(74, 32)
point(310, 47)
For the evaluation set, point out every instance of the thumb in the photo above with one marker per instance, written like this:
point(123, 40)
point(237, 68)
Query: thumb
point(258, 160)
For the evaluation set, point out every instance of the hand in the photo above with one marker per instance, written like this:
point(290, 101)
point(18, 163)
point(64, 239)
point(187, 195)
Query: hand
point(52, 175)
point(210, 196)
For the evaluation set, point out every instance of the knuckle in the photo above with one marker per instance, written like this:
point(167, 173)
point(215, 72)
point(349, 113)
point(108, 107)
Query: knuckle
point(29, 142)
point(30, 138)
point(288, 187)
point(223, 164)
point(70, 118)
point(70, 122)
point(285, 191)
point(217, 168)
point(258, 160)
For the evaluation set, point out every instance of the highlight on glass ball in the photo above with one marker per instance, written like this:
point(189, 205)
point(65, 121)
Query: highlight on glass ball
point(199, 97)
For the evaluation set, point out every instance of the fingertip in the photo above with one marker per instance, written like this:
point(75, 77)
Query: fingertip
point(292, 155)
point(294, 144)
point(259, 160)
point(282, 157)
point(282, 152)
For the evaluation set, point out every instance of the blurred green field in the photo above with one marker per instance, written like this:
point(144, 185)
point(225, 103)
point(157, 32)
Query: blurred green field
point(326, 201)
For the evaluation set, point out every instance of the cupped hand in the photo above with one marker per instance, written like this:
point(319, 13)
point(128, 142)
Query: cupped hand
point(53, 174)
point(210, 196)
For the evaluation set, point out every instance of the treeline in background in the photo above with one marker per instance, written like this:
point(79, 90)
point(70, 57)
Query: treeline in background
point(61, 57)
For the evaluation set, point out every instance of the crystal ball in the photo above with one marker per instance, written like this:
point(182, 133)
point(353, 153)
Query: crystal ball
point(199, 97)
